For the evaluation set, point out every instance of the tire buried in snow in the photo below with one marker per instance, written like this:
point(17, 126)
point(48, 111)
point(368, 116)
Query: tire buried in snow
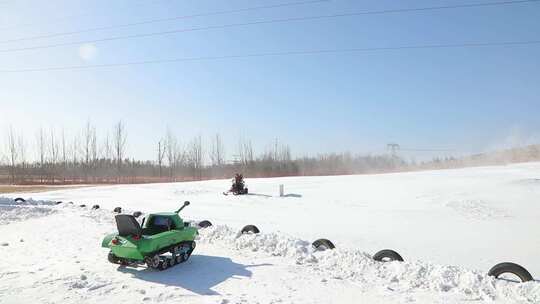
point(137, 214)
point(250, 229)
point(117, 210)
point(20, 200)
point(512, 268)
point(204, 224)
point(387, 255)
point(323, 244)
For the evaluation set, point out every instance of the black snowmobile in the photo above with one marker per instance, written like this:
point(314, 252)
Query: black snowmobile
point(238, 186)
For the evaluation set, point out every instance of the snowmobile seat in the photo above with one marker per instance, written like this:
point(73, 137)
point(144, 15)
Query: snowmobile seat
point(159, 224)
point(127, 225)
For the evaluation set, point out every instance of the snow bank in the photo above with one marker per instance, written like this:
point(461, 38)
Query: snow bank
point(358, 266)
point(12, 211)
point(10, 214)
point(275, 244)
point(30, 201)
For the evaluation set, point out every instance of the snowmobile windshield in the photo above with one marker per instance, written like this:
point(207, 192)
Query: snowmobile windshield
point(161, 221)
point(127, 225)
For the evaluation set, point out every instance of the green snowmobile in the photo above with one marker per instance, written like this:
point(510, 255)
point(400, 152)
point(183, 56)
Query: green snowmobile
point(160, 233)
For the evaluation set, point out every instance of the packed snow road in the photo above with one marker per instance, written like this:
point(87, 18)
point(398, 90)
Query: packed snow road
point(470, 218)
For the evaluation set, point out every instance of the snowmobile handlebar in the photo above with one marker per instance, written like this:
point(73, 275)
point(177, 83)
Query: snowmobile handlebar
point(186, 203)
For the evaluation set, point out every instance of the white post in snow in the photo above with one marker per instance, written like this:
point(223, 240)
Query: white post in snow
point(281, 190)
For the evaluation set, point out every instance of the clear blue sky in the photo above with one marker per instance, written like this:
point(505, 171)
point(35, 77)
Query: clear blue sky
point(467, 99)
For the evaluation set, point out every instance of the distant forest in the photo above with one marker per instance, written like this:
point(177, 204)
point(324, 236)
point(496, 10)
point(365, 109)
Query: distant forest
point(85, 159)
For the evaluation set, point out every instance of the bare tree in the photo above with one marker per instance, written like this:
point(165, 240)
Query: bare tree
point(107, 154)
point(161, 155)
point(13, 155)
point(217, 153)
point(53, 153)
point(107, 148)
point(245, 151)
point(53, 148)
point(285, 153)
point(119, 141)
point(87, 149)
point(180, 157)
point(42, 153)
point(171, 147)
point(22, 155)
point(75, 156)
point(64, 157)
point(93, 153)
point(196, 157)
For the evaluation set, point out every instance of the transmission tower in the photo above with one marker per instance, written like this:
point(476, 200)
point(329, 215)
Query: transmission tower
point(393, 148)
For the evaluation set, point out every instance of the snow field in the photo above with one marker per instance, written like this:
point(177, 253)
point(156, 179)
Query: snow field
point(56, 257)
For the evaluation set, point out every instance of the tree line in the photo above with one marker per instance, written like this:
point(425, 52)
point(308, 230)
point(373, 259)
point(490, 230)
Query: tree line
point(85, 158)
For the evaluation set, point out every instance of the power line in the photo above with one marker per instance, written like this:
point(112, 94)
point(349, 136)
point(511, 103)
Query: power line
point(130, 4)
point(394, 147)
point(427, 150)
point(287, 53)
point(150, 21)
point(283, 20)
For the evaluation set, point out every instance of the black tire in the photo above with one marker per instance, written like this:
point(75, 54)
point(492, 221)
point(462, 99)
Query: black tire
point(250, 229)
point(205, 224)
point(164, 264)
point(513, 268)
point(82, 206)
point(20, 200)
point(322, 244)
point(113, 258)
point(59, 202)
point(137, 214)
point(95, 207)
point(178, 259)
point(118, 210)
point(387, 255)
point(153, 261)
point(175, 250)
point(185, 256)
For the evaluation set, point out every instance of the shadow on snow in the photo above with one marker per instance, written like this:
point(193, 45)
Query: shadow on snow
point(266, 195)
point(199, 274)
point(258, 194)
